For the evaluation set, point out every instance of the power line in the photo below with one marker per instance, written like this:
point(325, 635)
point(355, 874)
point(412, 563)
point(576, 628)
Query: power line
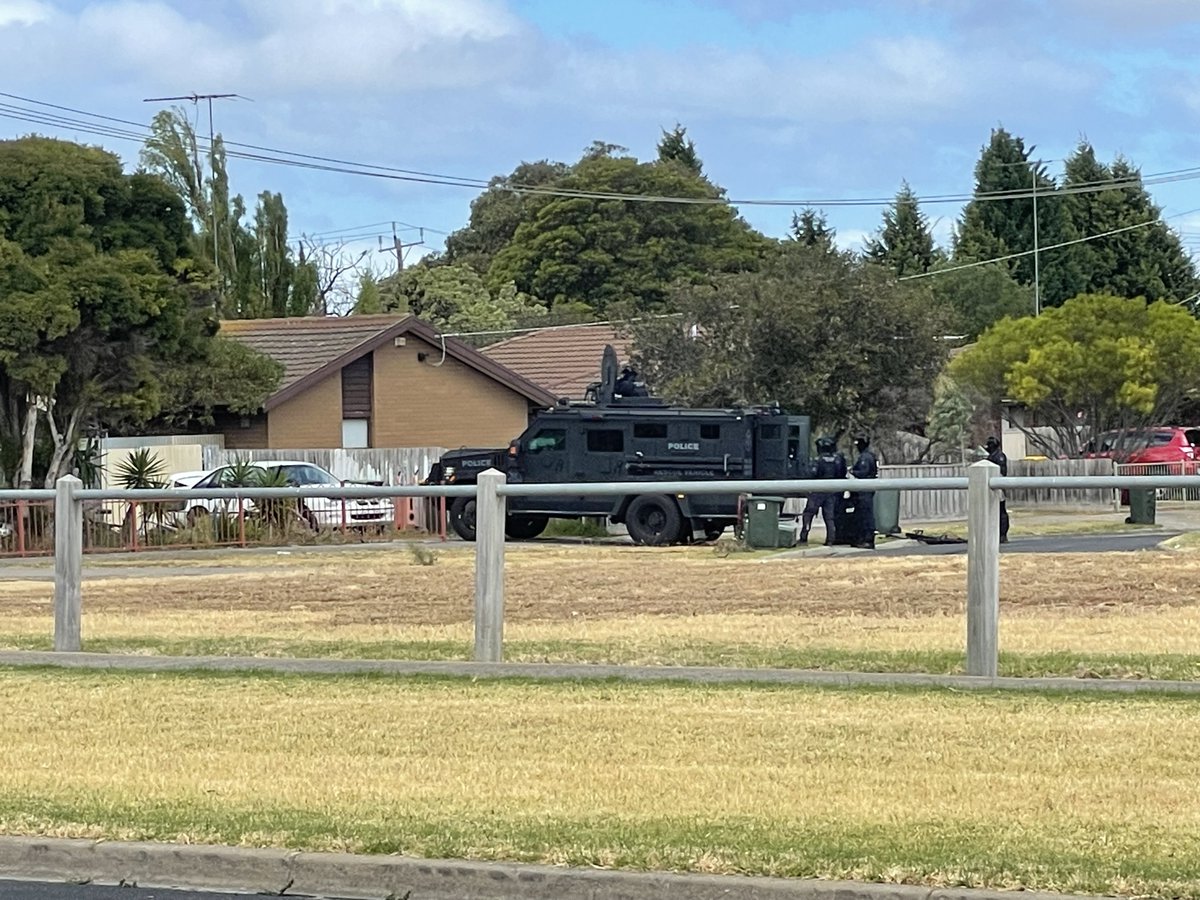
point(331, 164)
point(1082, 240)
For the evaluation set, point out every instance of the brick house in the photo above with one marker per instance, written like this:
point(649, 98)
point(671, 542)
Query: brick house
point(377, 381)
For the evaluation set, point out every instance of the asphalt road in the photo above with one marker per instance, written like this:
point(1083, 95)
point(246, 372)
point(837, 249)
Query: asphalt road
point(34, 890)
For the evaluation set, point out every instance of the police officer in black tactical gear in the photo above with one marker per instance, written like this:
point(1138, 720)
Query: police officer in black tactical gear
point(865, 466)
point(996, 456)
point(829, 464)
point(629, 386)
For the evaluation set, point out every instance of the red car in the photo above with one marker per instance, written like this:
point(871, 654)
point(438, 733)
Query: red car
point(1160, 444)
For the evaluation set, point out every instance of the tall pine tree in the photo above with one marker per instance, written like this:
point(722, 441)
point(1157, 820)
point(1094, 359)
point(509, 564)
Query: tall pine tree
point(905, 242)
point(810, 228)
point(1144, 260)
point(1013, 192)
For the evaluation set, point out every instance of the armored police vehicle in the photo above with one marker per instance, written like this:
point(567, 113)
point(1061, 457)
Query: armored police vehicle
point(614, 437)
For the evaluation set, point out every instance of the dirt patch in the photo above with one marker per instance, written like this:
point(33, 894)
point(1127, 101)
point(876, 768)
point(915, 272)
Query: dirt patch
point(593, 584)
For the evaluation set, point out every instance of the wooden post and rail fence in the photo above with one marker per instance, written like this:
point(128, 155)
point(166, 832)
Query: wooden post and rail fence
point(980, 487)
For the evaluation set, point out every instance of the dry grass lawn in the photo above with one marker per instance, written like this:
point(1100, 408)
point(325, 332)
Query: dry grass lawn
point(1056, 793)
point(636, 605)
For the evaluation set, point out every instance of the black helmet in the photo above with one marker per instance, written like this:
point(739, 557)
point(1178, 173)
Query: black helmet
point(825, 444)
point(861, 442)
point(992, 443)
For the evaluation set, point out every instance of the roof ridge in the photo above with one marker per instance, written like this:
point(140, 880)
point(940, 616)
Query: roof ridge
point(380, 320)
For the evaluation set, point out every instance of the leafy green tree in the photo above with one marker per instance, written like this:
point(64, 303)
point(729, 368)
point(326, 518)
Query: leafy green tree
point(1140, 260)
point(618, 252)
point(224, 375)
point(99, 304)
point(811, 229)
point(497, 213)
point(950, 416)
point(455, 299)
point(675, 146)
point(271, 257)
point(978, 297)
point(370, 299)
point(905, 242)
point(173, 153)
point(257, 274)
point(305, 298)
point(1097, 363)
point(825, 334)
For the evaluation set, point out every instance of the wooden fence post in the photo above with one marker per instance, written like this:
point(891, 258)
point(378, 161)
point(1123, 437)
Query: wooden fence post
point(489, 567)
point(983, 570)
point(68, 565)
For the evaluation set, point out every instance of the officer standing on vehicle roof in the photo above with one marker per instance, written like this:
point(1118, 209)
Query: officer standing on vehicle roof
point(829, 464)
point(996, 456)
point(864, 466)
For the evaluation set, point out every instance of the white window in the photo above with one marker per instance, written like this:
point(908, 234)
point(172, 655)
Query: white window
point(356, 433)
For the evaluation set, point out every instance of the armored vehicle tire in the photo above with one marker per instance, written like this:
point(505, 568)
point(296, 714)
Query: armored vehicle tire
point(523, 528)
point(462, 517)
point(654, 519)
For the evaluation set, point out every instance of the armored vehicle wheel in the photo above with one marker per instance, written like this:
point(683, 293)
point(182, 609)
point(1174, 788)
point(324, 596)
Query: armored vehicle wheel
point(653, 519)
point(462, 517)
point(523, 528)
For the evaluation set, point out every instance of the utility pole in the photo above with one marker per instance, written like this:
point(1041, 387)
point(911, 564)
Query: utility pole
point(196, 98)
point(398, 246)
point(1037, 299)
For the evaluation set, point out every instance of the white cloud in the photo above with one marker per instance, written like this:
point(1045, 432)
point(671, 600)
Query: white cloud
point(23, 12)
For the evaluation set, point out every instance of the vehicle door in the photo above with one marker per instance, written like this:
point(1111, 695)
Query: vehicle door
point(601, 458)
point(325, 510)
point(218, 478)
point(543, 458)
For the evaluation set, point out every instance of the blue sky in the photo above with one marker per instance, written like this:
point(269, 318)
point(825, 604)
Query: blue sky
point(786, 99)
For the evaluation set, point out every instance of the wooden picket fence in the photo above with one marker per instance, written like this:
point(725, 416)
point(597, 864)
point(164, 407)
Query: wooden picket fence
point(926, 506)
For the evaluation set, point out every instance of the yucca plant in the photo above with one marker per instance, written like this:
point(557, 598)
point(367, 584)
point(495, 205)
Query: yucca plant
point(88, 463)
point(276, 512)
point(141, 470)
point(242, 473)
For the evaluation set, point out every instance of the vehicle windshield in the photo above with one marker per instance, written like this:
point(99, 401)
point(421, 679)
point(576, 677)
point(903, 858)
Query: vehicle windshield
point(308, 475)
point(1124, 441)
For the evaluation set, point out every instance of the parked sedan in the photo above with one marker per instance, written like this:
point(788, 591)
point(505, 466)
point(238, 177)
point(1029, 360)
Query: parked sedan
point(317, 510)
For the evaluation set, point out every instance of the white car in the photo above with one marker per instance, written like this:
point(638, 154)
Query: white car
point(318, 511)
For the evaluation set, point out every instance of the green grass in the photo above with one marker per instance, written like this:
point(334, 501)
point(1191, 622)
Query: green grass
point(934, 852)
point(578, 528)
point(1168, 667)
point(1038, 792)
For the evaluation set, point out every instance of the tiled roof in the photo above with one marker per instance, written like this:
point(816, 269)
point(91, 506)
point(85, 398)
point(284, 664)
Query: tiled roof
point(304, 344)
point(562, 360)
point(311, 348)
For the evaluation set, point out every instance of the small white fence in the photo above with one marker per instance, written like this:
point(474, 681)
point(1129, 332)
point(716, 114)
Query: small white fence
point(1167, 468)
point(981, 487)
point(924, 504)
